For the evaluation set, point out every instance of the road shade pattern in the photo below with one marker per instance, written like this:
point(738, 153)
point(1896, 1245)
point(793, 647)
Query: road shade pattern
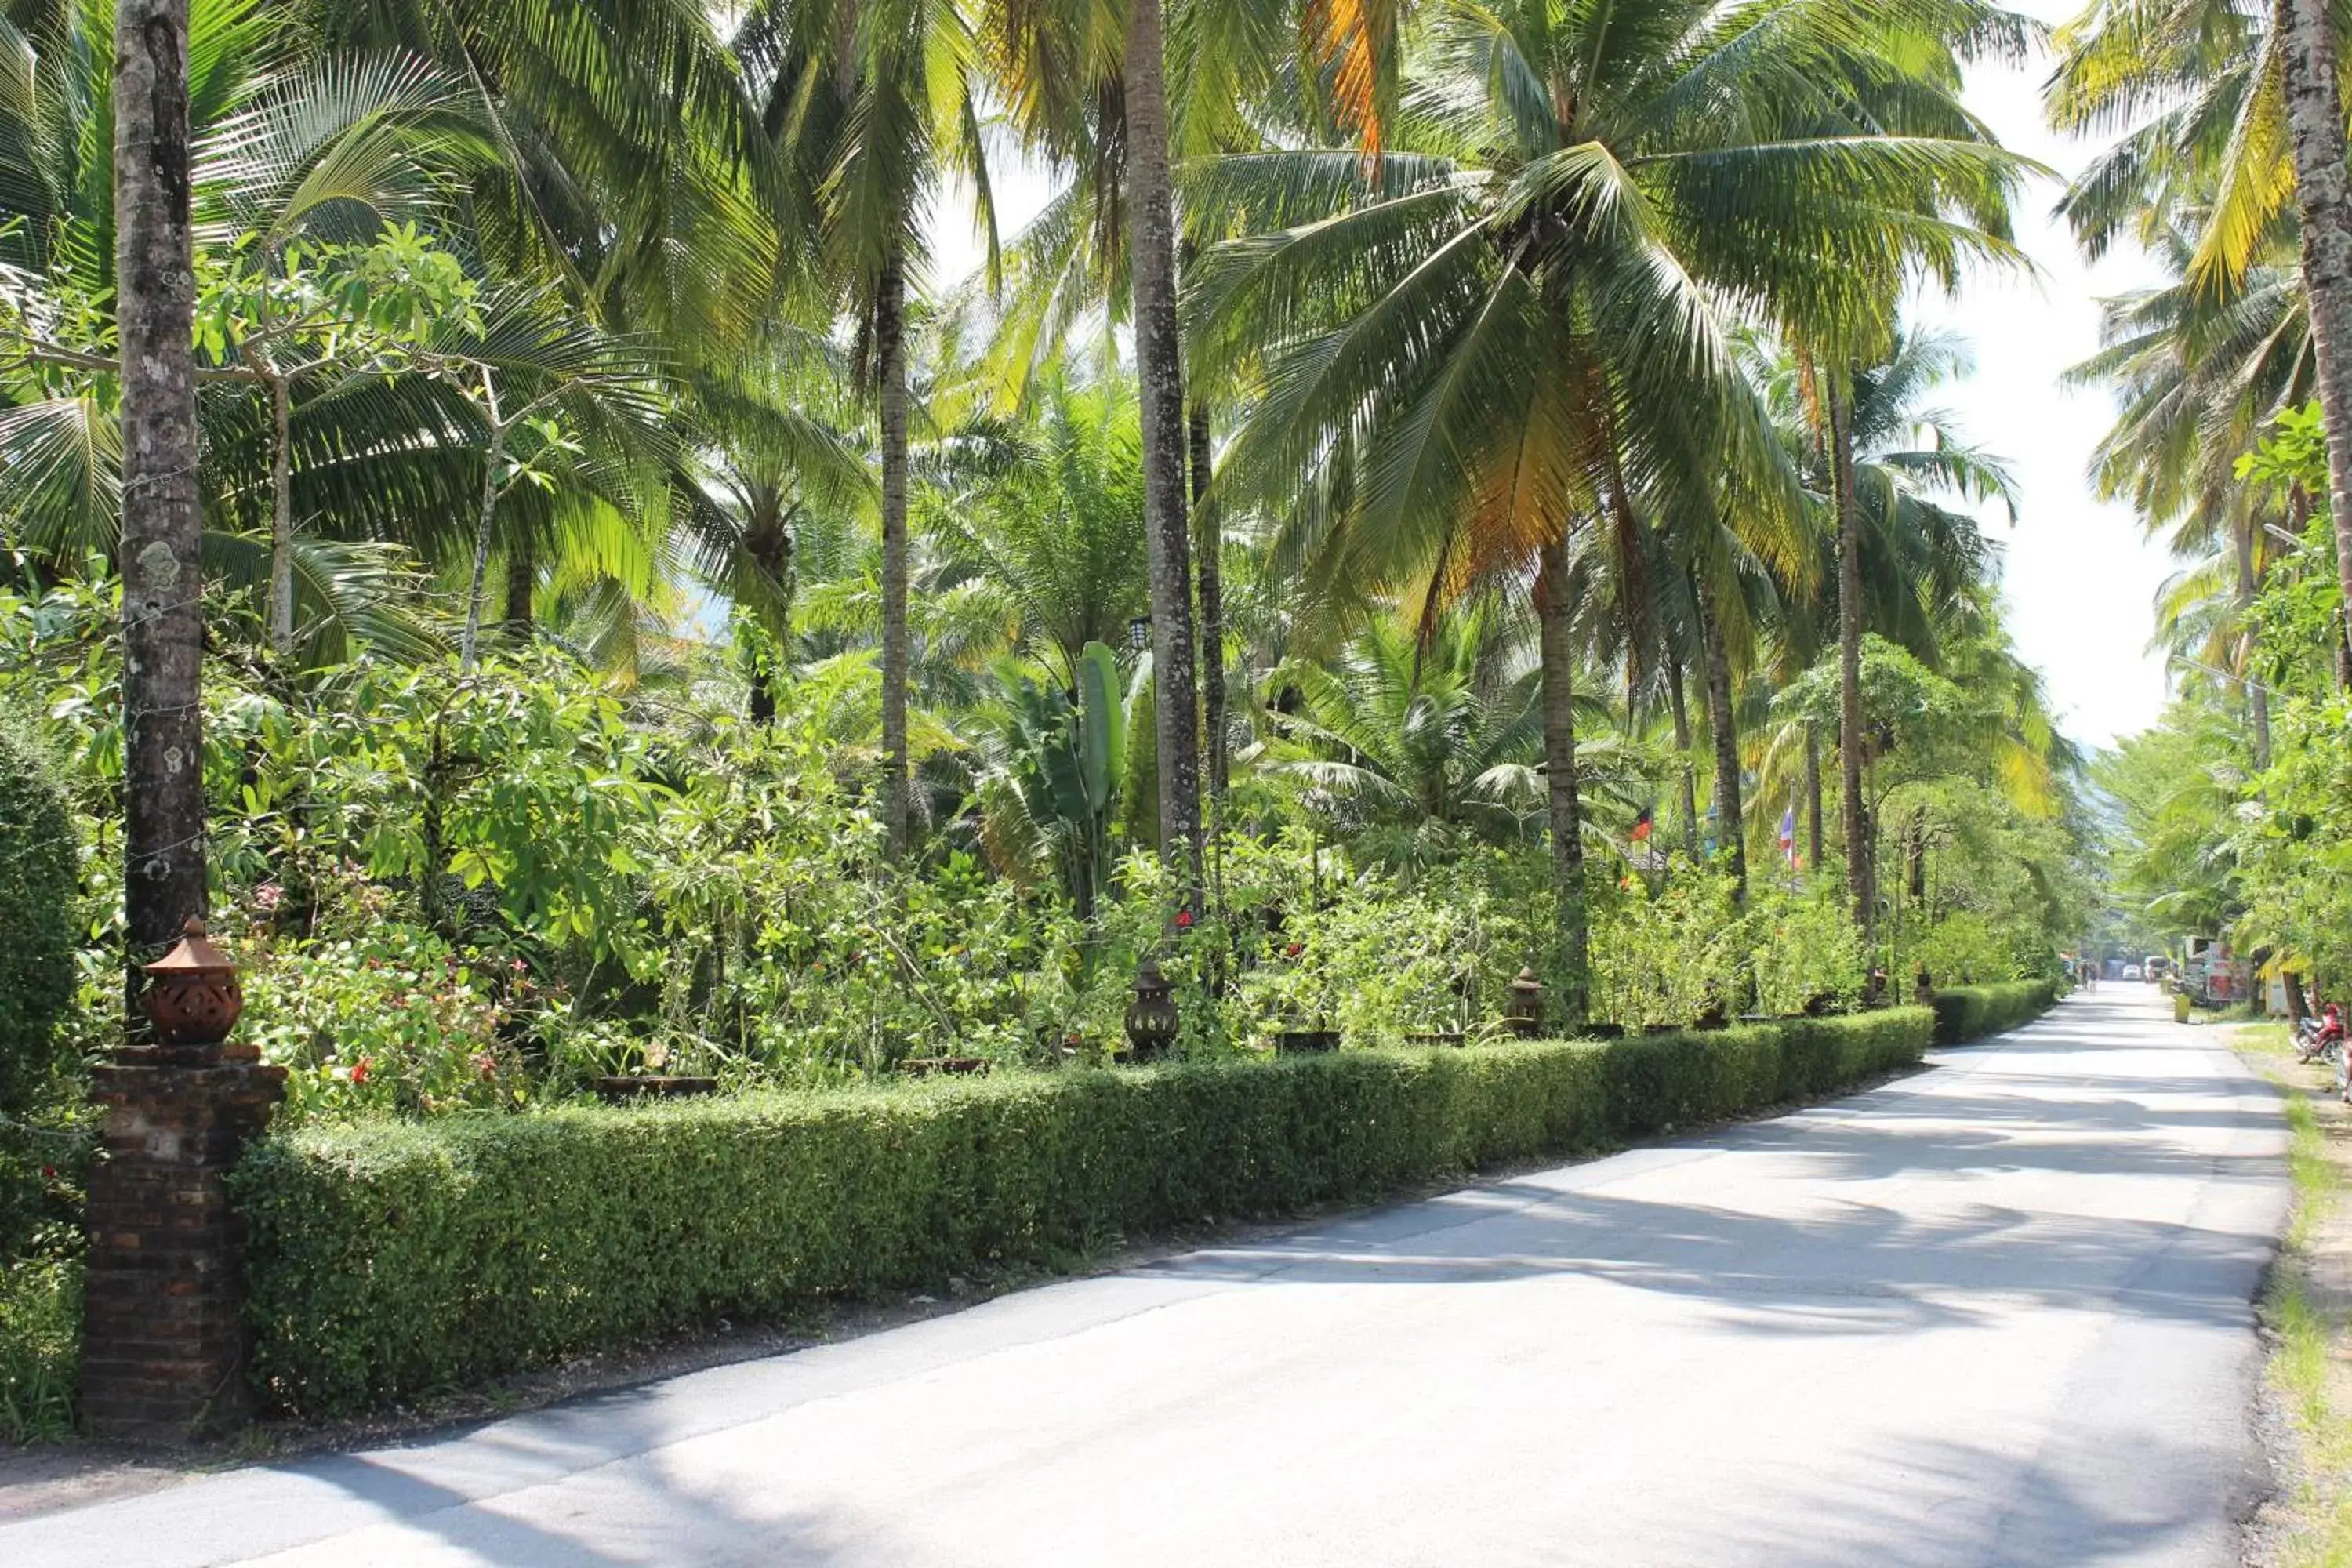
point(1994, 1313)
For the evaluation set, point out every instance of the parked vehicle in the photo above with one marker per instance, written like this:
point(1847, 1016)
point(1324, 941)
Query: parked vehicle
point(2131, 972)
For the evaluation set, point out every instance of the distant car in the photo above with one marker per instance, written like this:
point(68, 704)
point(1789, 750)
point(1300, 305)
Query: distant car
point(2131, 972)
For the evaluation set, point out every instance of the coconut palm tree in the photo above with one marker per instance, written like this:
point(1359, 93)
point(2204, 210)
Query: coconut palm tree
point(2229, 109)
point(1520, 318)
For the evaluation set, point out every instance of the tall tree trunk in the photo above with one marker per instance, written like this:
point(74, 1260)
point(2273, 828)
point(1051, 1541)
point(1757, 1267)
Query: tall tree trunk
point(162, 530)
point(1681, 707)
point(769, 542)
point(1729, 827)
point(1849, 535)
point(523, 583)
point(1813, 795)
point(281, 517)
point(2315, 116)
point(1209, 553)
point(2257, 695)
point(1152, 236)
point(1558, 653)
point(890, 368)
point(469, 645)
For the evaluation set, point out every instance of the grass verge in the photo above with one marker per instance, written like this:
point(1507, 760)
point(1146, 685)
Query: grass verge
point(2306, 1309)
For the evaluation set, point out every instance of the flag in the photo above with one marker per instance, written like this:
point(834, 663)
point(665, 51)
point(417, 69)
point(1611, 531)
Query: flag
point(1789, 834)
point(1641, 825)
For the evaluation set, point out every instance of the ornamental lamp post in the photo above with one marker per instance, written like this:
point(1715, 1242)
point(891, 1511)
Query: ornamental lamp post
point(192, 996)
point(1525, 1019)
point(1152, 1021)
point(1138, 633)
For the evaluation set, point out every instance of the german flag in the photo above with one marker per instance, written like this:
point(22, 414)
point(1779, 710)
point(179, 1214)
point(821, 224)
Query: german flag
point(1643, 824)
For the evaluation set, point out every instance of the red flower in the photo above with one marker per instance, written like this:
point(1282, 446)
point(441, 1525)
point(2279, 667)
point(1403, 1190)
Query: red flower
point(1294, 950)
point(48, 1173)
point(1183, 919)
point(360, 1069)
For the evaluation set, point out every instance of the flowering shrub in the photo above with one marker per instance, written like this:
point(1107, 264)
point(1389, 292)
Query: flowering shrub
point(392, 1020)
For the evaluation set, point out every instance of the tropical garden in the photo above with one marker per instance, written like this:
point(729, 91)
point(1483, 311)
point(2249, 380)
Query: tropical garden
point(1439, 527)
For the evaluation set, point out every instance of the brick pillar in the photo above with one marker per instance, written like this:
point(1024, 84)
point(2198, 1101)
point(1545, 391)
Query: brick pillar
point(163, 1331)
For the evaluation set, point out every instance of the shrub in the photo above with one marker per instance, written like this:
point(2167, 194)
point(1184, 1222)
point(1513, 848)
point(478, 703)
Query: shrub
point(41, 906)
point(387, 1259)
point(40, 1347)
point(1965, 1013)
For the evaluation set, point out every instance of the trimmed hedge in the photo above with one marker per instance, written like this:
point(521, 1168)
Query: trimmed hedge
point(1965, 1013)
point(391, 1259)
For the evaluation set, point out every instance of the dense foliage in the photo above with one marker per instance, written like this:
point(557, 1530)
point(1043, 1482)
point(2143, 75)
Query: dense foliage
point(1427, 497)
point(392, 1261)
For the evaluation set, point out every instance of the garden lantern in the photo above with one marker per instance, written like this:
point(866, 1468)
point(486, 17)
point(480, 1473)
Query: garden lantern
point(1151, 1017)
point(1527, 1004)
point(1138, 633)
point(192, 997)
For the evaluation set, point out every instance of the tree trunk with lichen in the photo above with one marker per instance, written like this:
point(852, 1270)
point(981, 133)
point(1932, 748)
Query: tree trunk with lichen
point(890, 370)
point(2314, 118)
point(1209, 554)
point(1729, 827)
point(1557, 652)
point(1152, 230)
point(1850, 739)
point(162, 529)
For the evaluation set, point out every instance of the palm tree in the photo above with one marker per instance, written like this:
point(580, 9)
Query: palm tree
point(1415, 735)
point(2228, 108)
point(1518, 320)
point(163, 531)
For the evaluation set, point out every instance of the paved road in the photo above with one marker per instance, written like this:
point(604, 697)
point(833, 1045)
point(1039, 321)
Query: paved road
point(1996, 1313)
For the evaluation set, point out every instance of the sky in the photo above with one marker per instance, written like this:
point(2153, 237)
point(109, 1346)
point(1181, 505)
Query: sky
point(2081, 580)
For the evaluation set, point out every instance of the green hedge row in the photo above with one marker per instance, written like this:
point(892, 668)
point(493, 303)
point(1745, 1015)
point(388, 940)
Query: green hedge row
point(388, 1261)
point(1965, 1013)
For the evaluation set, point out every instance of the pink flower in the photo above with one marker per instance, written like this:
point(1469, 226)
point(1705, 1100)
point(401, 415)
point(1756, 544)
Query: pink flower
point(269, 895)
point(1183, 919)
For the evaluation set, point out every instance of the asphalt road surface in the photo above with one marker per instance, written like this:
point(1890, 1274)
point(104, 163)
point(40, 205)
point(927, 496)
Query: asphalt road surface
point(1994, 1313)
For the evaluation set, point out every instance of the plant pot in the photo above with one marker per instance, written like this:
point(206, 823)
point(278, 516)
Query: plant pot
point(1438, 1038)
point(1604, 1031)
point(621, 1089)
point(1661, 1028)
point(1306, 1042)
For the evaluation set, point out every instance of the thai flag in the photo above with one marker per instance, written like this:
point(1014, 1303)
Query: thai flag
point(1789, 834)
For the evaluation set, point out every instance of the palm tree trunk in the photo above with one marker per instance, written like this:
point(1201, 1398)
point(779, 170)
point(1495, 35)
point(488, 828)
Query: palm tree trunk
point(1813, 795)
point(1681, 706)
point(1207, 549)
point(469, 646)
point(1849, 535)
point(2314, 114)
point(162, 529)
point(281, 517)
point(523, 582)
point(1152, 236)
point(1558, 667)
point(769, 542)
point(890, 367)
point(1729, 828)
point(2257, 695)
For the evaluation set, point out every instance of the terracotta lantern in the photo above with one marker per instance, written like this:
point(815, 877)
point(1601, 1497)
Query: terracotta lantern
point(192, 993)
point(1152, 1018)
point(1527, 1004)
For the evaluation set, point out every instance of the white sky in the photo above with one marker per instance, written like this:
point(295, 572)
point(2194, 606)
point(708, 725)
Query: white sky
point(2081, 579)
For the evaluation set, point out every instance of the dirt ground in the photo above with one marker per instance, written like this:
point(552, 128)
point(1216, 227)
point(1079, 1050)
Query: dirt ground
point(2305, 1412)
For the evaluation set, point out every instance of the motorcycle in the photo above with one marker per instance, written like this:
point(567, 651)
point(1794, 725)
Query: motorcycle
point(2322, 1039)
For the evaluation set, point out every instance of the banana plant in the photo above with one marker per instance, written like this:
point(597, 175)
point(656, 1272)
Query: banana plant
point(1059, 756)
